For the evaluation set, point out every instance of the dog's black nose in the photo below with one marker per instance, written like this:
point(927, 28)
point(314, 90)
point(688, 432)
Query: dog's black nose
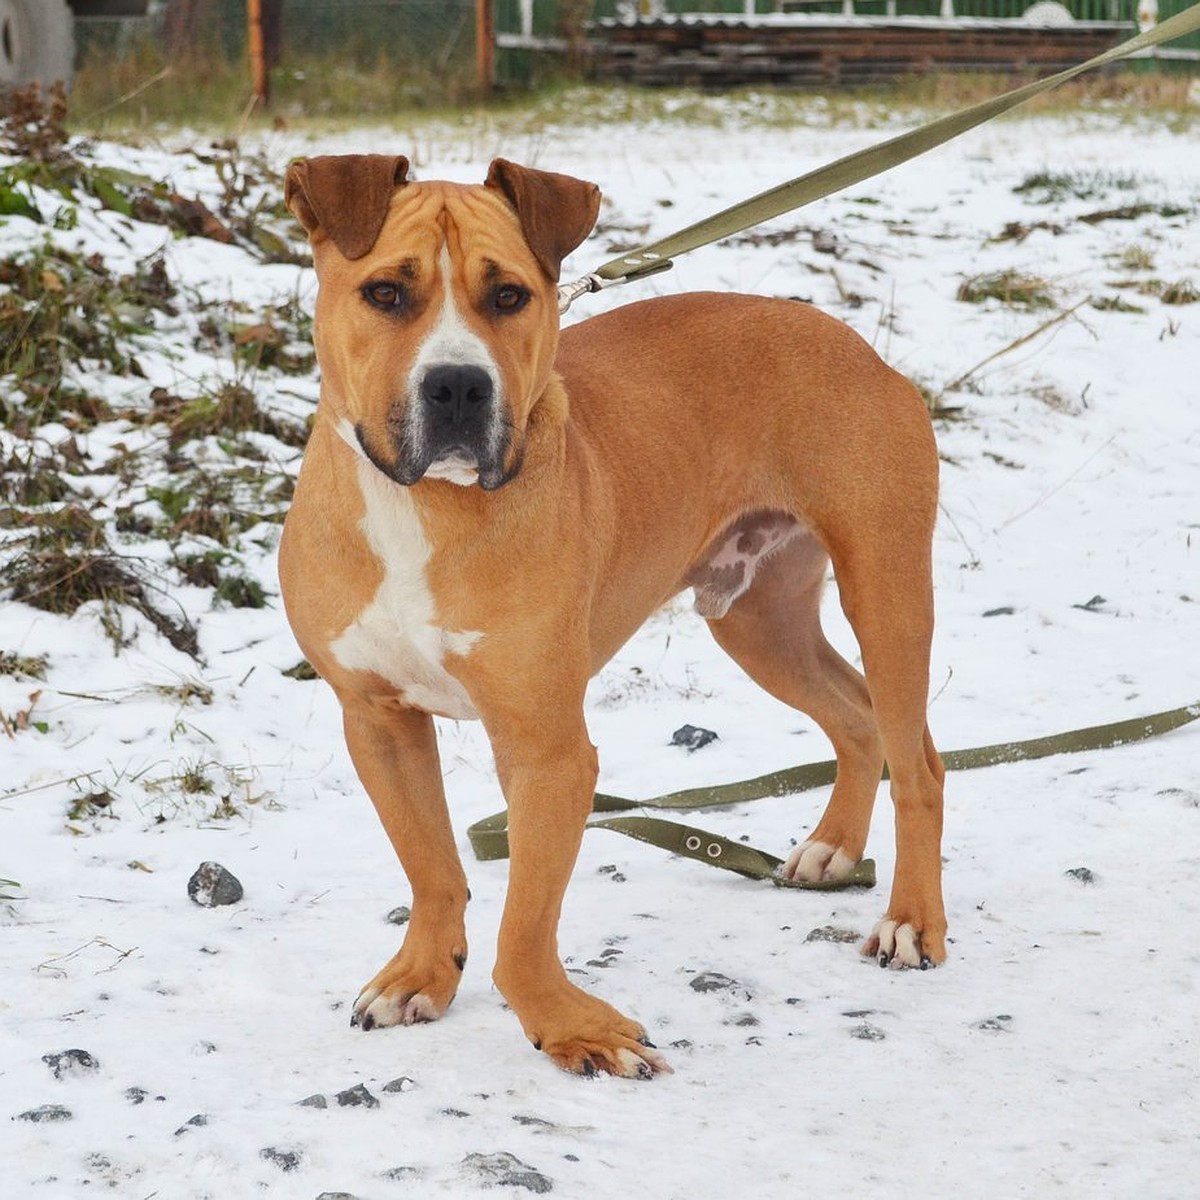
point(456, 394)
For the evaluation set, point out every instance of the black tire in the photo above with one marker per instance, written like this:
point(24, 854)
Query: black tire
point(37, 42)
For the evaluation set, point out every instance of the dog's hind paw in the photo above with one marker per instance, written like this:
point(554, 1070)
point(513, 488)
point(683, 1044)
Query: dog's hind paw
point(817, 862)
point(899, 944)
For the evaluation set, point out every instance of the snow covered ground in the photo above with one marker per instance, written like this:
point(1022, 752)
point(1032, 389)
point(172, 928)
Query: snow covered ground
point(1055, 1053)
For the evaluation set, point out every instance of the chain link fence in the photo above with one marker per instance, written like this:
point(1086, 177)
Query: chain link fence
point(343, 58)
point(327, 56)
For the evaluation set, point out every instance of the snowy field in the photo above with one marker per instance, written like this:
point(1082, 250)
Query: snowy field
point(1056, 1053)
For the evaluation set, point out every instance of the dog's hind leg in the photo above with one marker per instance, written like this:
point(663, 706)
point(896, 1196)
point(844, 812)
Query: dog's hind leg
point(773, 631)
point(395, 753)
point(884, 580)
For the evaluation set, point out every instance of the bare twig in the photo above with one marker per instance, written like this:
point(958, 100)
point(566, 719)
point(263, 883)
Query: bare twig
point(133, 95)
point(1058, 486)
point(956, 383)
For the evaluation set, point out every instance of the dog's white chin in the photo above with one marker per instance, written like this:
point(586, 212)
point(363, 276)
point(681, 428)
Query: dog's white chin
point(455, 470)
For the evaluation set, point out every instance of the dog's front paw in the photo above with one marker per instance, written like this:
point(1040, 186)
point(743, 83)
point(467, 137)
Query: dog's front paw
point(818, 862)
point(408, 992)
point(904, 944)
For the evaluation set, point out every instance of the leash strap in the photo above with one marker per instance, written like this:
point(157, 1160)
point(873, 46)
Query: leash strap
point(854, 168)
point(489, 837)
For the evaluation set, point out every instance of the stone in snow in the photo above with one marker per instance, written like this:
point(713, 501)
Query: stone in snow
point(693, 737)
point(506, 1170)
point(212, 885)
point(71, 1062)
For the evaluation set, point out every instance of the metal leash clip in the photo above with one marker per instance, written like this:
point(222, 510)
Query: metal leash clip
point(568, 293)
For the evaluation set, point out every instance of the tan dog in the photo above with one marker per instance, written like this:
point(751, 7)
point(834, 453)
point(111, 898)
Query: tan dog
point(487, 511)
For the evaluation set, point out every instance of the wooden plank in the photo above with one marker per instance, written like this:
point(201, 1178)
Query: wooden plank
point(724, 55)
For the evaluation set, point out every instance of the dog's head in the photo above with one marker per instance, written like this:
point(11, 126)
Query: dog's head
point(437, 310)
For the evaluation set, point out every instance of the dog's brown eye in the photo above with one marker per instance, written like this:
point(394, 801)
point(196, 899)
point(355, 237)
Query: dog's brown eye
point(388, 296)
point(508, 298)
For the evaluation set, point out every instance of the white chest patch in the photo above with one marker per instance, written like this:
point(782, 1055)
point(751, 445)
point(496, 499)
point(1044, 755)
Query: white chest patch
point(395, 635)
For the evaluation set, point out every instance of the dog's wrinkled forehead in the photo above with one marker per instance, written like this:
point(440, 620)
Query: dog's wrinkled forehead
point(347, 199)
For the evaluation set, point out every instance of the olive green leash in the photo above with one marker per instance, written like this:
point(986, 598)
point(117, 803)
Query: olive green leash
point(489, 837)
point(854, 168)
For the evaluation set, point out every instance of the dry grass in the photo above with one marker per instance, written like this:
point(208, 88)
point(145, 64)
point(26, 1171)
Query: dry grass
point(1166, 91)
point(1012, 288)
point(203, 469)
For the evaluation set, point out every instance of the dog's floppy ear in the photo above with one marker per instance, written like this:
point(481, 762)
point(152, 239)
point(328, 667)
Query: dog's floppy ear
point(556, 211)
point(345, 196)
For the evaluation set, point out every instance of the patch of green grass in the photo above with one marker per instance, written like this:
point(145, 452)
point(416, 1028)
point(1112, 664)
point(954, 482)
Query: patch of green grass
point(58, 308)
point(229, 408)
point(1115, 304)
point(240, 591)
point(1053, 187)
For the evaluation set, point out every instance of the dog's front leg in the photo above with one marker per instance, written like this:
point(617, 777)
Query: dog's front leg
point(395, 754)
point(547, 768)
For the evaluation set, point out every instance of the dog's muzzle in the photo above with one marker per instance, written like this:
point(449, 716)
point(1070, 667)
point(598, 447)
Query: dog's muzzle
point(452, 429)
point(455, 423)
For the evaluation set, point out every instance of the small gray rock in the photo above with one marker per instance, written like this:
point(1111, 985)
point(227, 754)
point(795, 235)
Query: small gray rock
point(714, 981)
point(831, 933)
point(403, 1084)
point(867, 1033)
point(71, 1062)
point(1083, 875)
point(196, 1122)
point(400, 915)
point(211, 885)
point(337, 1196)
point(536, 1123)
point(399, 1174)
point(1186, 796)
point(1001, 1023)
point(316, 1100)
point(46, 1113)
point(506, 1170)
point(356, 1097)
point(693, 737)
point(285, 1160)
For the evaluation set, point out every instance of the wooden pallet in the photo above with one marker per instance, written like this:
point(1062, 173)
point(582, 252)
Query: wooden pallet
point(816, 52)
